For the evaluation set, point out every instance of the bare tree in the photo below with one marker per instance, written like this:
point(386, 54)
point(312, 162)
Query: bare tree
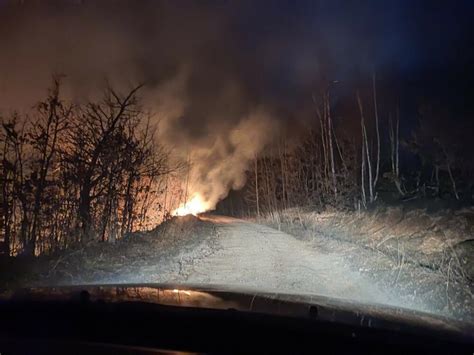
point(331, 147)
point(448, 162)
point(10, 139)
point(256, 187)
point(394, 152)
point(52, 118)
point(16, 188)
point(377, 130)
point(363, 174)
point(77, 173)
point(92, 144)
point(366, 151)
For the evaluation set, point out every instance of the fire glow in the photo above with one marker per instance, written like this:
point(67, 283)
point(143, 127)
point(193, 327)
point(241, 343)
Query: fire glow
point(194, 206)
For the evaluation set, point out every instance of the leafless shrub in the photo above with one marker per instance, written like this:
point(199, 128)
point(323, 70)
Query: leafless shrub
point(79, 173)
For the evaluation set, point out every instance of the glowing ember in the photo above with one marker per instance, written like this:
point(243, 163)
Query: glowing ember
point(194, 206)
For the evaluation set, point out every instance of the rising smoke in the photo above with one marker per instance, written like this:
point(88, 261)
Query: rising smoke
point(199, 82)
point(221, 76)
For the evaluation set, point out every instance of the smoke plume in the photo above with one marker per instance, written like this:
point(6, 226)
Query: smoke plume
point(198, 82)
point(221, 76)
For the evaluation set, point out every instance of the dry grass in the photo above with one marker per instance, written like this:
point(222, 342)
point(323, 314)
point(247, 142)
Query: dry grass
point(438, 241)
point(430, 255)
point(99, 262)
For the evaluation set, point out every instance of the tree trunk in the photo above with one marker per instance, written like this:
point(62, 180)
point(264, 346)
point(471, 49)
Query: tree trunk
point(256, 186)
point(331, 148)
point(362, 176)
point(377, 168)
point(369, 167)
point(365, 144)
point(283, 175)
point(322, 118)
point(85, 212)
point(452, 181)
point(6, 213)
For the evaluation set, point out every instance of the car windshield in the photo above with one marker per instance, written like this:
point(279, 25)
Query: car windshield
point(293, 147)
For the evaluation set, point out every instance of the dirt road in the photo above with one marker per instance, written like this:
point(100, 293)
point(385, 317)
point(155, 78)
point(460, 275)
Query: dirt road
point(259, 257)
point(227, 252)
point(224, 251)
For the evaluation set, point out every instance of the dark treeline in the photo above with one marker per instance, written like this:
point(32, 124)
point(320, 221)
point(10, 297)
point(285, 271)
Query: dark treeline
point(358, 156)
point(74, 173)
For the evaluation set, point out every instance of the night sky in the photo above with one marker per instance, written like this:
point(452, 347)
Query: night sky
point(277, 48)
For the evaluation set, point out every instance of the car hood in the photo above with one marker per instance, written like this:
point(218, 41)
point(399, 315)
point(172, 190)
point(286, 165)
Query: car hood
point(320, 308)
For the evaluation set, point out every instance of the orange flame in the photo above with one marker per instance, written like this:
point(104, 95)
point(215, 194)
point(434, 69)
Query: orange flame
point(194, 206)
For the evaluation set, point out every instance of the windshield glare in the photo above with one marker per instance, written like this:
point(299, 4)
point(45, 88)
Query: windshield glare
point(311, 148)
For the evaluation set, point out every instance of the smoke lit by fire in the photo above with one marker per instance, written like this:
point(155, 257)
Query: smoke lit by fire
point(221, 96)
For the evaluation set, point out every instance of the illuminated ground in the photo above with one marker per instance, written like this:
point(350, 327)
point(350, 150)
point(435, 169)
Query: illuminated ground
point(262, 258)
point(242, 254)
point(224, 251)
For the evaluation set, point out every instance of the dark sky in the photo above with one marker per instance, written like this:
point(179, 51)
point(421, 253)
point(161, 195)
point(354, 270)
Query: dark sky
point(274, 49)
point(406, 37)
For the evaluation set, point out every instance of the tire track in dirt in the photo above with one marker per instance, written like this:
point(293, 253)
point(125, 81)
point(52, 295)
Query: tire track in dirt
point(258, 257)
